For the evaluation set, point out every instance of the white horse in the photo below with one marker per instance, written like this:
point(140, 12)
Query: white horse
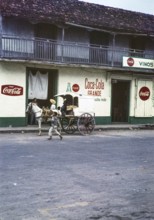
point(38, 114)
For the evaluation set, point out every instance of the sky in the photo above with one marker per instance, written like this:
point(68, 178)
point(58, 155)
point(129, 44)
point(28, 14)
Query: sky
point(145, 6)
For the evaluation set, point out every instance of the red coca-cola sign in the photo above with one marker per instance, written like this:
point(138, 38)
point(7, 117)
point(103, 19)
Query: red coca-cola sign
point(130, 61)
point(12, 90)
point(144, 93)
point(75, 87)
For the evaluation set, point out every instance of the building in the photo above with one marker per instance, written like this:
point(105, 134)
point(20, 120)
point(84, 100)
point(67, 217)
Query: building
point(49, 47)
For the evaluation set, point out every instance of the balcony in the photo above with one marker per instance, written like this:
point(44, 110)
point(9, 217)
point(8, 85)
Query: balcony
point(66, 52)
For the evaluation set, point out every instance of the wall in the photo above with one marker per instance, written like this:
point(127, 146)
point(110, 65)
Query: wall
point(12, 74)
point(91, 82)
point(87, 81)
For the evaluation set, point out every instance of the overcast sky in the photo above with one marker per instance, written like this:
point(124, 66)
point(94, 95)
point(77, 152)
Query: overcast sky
point(145, 6)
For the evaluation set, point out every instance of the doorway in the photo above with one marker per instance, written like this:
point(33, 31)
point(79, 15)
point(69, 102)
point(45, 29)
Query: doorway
point(120, 101)
point(42, 85)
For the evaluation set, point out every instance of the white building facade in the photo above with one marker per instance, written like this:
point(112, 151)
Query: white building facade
point(42, 60)
point(118, 97)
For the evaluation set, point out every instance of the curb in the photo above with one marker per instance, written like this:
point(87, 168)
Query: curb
point(97, 128)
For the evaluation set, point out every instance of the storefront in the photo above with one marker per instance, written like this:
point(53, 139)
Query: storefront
point(119, 97)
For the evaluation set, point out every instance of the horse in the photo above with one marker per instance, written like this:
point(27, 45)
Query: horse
point(33, 107)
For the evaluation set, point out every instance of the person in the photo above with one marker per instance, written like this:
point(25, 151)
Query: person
point(59, 111)
point(36, 112)
point(64, 107)
point(53, 104)
point(31, 114)
point(54, 125)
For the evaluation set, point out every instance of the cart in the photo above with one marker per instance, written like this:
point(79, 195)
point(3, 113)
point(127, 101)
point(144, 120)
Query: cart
point(79, 113)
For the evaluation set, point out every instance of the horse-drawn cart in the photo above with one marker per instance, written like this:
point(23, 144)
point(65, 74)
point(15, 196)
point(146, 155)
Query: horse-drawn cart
point(78, 114)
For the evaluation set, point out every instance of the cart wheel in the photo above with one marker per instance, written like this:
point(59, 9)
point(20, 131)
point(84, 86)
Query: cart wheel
point(69, 125)
point(86, 123)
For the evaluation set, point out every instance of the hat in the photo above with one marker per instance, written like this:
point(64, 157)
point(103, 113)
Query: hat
point(52, 101)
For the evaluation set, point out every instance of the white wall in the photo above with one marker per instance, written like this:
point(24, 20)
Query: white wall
point(144, 108)
point(12, 74)
point(84, 77)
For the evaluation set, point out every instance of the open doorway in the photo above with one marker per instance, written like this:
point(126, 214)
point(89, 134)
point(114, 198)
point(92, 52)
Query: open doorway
point(120, 101)
point(42, 85)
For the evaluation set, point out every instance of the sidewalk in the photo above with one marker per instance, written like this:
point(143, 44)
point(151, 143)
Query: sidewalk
point(45, 128)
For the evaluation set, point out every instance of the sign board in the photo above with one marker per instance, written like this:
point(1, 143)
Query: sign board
point(144, 93)
point(11, 90)
point(138, 62)
point(75, 87)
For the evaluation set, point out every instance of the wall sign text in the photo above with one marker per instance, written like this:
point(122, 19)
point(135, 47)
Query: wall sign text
point(94, 88)
point(11, 90)
point(138, 62)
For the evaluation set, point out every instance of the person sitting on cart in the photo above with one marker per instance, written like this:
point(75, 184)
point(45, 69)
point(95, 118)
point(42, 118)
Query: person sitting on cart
point(53, 104)
point(64, 107)
point(59, 111)
point(54, 125)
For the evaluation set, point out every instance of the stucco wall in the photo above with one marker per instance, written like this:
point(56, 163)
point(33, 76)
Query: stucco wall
point(91, 82)
point(12, 74)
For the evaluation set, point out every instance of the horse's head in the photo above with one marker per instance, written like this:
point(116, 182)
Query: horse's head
point(29, 108)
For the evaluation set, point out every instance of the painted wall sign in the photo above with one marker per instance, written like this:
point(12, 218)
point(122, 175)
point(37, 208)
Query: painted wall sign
point(75, 87)
point(144, 93)
point(94, 87)
point(68, 89)
point(138, 62)
point(11, 90)
point(130, 61)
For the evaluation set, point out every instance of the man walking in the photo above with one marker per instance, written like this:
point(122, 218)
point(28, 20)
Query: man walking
point(54, 125)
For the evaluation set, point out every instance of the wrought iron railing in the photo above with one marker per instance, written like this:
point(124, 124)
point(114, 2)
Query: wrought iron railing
point(66, 52)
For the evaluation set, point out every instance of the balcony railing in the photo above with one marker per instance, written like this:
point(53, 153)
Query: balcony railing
point(66, 52)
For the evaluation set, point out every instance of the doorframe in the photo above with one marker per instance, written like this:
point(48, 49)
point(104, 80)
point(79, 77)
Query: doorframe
point(55, 87)
point(128, 81)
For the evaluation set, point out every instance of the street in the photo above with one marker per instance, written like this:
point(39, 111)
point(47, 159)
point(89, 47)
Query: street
point(108, 175)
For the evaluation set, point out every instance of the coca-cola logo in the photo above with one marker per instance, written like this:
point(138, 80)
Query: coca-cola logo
point(75, 87)
point(12, 90)
point(130, 61)
point(144, 93)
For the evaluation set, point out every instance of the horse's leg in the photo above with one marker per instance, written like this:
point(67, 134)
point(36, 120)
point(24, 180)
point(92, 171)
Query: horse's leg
point(39, 124)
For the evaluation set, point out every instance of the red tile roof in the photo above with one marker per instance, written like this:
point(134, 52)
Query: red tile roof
point(80, 13)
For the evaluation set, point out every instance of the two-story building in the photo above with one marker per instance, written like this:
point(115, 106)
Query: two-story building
point(49, 47)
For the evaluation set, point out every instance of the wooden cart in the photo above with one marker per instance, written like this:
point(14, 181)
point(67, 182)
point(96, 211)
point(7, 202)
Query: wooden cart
point(79, 113)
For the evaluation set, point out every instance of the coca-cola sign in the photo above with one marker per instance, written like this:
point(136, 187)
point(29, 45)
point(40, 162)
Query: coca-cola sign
point(12, 90)
point(130, 61)
point(144, 93)
point(75, 88)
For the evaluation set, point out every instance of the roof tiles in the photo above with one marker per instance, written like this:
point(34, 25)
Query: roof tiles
point(80, 13)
